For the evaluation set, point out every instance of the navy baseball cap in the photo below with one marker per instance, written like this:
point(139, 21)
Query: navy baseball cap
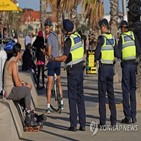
point(123, 24)
point(68, 25)
point(104, 22)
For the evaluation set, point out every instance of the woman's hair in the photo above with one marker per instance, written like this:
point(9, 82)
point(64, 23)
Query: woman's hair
point(28, 46)
point(16, 49)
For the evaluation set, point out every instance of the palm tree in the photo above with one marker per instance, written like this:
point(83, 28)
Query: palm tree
point(93, 11)
point(61, 6)
point(114, 8)
point(114, 5)
point(43, 7)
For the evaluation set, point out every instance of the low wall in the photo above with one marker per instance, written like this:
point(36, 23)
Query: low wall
point(11, 128)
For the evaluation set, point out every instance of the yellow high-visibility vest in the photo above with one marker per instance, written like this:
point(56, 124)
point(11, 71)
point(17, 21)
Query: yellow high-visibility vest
point(128, 46)
point(76, 50)
point(107, 50)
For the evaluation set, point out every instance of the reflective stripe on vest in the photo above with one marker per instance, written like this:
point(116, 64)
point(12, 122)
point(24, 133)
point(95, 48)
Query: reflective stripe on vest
point(107, 50)
point(76, 50)
point(128, 46)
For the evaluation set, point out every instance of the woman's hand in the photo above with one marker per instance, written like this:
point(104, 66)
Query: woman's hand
point(28, 85)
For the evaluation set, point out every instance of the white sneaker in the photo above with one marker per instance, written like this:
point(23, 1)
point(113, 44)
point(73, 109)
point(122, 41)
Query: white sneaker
point(48, 110)
point(62, 106)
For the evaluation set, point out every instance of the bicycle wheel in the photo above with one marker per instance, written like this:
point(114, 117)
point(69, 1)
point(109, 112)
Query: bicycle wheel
point(56, 98)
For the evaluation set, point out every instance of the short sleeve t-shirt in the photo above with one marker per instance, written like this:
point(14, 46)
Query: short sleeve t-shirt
point(67, 50)
point(52, 41)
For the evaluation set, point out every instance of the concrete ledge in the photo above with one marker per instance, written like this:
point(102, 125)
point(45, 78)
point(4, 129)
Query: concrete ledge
point(11, 128)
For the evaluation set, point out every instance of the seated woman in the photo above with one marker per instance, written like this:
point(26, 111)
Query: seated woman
point(15, 88)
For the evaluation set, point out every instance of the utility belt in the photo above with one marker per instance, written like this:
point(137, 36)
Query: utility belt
point(75, 67)
point(129, 62)
point(101, 64)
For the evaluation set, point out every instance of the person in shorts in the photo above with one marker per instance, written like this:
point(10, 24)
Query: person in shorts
point(53, 66)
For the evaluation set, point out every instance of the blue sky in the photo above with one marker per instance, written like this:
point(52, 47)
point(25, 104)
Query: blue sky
point(34, 4)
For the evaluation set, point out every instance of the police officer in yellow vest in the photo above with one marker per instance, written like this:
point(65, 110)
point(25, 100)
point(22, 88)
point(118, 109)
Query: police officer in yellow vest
point(105, 52)
point(129, 50)
point(73, 57)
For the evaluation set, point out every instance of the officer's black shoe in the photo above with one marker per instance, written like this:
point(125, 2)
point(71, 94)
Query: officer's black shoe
point(82, 128)
point(134, 120)
point(125, 120)
point(72, 129)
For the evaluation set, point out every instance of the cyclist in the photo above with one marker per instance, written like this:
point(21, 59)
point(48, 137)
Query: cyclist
point(53, 66)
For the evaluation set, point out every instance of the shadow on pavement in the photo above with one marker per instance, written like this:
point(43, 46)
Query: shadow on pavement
point(24, 139)
point(55, 125)
point(61, 136)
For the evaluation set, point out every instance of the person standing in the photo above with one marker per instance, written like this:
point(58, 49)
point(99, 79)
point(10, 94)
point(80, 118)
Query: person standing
point(33, 38)
point(73, 57)
point(27, 61)
point(105, 52)
point(129, 50)
point(27, 40)
point(84, 38)
point(39, 46)
point(53, 67)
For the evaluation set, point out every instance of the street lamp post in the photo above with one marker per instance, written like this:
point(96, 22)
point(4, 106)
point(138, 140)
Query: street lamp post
point(124, 10)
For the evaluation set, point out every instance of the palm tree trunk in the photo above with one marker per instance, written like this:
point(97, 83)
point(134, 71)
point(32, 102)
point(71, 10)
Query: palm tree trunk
point(114, 6)
point(43, 7)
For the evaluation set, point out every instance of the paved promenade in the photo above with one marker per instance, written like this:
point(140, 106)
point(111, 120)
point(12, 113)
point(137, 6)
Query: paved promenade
point(56, 126)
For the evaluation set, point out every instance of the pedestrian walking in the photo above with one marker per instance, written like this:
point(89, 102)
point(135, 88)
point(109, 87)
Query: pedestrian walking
point(105, 52)
point(129, 50)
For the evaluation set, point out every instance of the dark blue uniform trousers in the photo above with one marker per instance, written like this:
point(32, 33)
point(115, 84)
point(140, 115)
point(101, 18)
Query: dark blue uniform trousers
point(129, 90)
point(76, 97)
point(105, 84)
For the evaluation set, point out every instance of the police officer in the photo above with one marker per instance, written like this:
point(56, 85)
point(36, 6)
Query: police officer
point(129, 50)
point(73, 57)
point(106, 50)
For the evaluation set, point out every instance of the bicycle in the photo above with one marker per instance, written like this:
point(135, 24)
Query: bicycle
point(55, 94)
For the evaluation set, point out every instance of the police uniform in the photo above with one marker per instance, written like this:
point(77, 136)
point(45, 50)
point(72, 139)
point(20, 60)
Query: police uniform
point(129, 49)
point(75, 50)
point(105, 53)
